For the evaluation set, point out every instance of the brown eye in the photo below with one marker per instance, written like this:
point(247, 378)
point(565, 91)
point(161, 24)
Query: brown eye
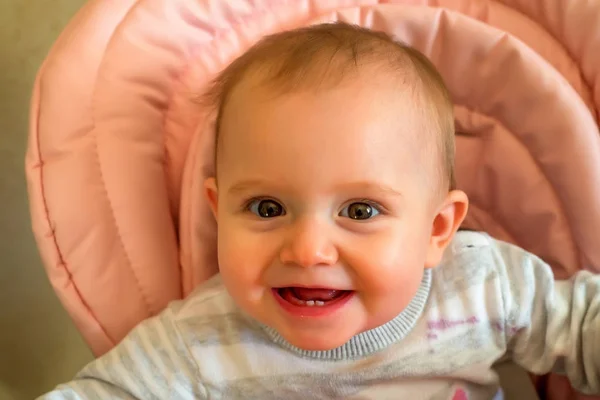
point(266, 208)
point(359, 211)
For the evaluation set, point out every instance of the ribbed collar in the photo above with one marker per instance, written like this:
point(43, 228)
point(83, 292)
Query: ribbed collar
point(373, 340)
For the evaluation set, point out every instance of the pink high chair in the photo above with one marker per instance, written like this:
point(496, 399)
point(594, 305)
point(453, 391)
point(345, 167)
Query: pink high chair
point(119, 147)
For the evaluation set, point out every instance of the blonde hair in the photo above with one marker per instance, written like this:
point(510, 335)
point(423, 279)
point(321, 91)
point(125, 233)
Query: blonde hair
point(324, 54)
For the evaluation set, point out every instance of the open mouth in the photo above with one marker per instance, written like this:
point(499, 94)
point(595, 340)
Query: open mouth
point(312, 297)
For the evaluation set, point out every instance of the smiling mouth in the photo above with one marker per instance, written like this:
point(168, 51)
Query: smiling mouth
point(311, 297)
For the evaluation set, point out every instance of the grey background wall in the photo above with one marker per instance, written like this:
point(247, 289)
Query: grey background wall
point(39, 346)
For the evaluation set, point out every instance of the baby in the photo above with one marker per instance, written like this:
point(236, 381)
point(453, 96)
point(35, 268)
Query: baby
point(341, 272)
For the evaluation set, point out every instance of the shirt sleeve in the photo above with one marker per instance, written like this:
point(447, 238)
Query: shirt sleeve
point(551, 326)
point(152, 362)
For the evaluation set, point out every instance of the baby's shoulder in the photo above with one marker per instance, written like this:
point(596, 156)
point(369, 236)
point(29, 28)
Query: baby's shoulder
point(208, 312)
point(209, 297)
point(471, 260)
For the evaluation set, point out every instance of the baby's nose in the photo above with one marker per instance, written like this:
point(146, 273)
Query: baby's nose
point(308, 245)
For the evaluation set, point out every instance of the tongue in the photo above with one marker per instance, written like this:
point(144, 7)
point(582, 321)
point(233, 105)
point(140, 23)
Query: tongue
point(316, 294)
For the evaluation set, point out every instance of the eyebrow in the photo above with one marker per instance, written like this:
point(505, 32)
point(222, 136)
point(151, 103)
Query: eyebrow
point(383, 189)
point(244, 186)
point(370, 187)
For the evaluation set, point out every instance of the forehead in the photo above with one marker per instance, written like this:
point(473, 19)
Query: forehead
point(368, 127)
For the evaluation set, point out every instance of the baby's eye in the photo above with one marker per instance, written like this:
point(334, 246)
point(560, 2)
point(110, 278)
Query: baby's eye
point(266, 208)
point(359, 210)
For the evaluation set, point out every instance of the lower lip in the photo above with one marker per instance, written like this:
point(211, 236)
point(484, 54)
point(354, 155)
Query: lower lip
point(313, 311)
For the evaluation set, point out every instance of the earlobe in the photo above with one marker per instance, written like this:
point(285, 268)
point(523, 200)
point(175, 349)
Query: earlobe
point(448, 219)
point(211, 192)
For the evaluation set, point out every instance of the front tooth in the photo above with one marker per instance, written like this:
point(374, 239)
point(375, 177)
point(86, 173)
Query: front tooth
point(319, 303)
point(310, 303)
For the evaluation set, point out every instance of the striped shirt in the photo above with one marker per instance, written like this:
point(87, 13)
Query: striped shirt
point(487, 300)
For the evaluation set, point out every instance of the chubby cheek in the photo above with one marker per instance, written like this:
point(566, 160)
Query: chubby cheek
point(388, 271)
point(243, 258)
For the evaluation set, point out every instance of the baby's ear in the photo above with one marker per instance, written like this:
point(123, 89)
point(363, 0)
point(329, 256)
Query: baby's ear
point(448, 219)
point(210, 190)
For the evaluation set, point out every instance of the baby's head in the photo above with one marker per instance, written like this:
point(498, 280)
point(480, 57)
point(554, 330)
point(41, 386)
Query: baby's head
point(335, 171)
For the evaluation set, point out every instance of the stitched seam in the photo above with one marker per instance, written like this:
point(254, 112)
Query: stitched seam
point(115, 224)
point(178, 80)
point(52, 233)
point(103, 180)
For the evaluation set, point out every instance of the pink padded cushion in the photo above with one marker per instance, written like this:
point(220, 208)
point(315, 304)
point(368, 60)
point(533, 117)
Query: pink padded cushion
point(118, 148)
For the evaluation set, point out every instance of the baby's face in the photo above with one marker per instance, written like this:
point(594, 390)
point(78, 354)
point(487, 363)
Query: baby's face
point(324, 208)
